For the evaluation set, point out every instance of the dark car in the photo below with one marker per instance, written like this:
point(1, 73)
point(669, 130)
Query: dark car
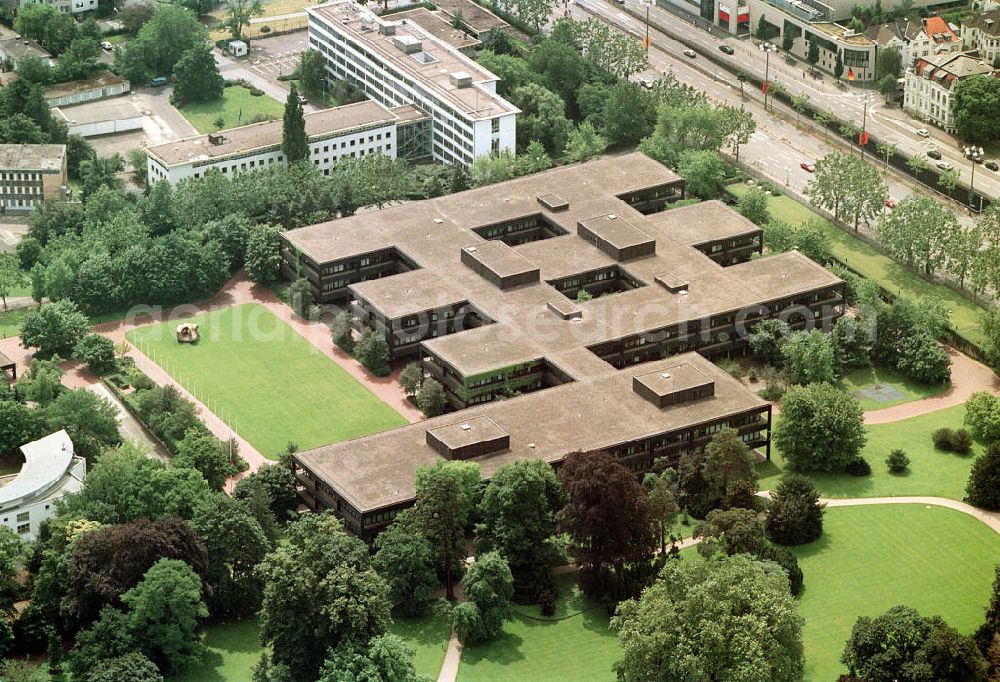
point(728, 49)
point(934, 154)
point(992, 165)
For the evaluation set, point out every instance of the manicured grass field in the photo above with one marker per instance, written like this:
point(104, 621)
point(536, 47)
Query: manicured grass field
point(938, 561)
point(580, 647)
point(428, 637)
point(868, 377)
point(266, 381)
point(964, 314)
point(233, 650)
point(236, 107)
point(931, 472)
point(11, 321)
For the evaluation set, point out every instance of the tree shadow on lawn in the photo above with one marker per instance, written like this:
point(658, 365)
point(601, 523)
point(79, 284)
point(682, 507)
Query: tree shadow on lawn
point(504, 650)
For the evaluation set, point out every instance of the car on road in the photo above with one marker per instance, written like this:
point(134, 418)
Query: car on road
point(934, 154)
point(890, 203)
point(992, 165)
point(303, 100)
point(690, 54)
point(106, 46)
point(728, 49)
point(646, 83)
point(159, 81)
point(944, 165)
point(807, 167)
point(923, 132)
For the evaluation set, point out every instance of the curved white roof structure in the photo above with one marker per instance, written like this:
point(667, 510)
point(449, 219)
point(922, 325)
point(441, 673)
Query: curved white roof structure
point(46, 462)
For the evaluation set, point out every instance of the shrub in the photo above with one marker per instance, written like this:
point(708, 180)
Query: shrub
point(752, 375)
point(859, 467)
point(256, 92)
point(795, 516)
point(547, 602)
point(772, 393)
point(897, 461)
point(943, 438)
point(983, 488)
point(962, 442)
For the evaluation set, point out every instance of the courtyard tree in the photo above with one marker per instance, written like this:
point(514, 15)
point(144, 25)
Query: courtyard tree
point(239, 13)
point(534, 159)
point(89, 419)
point(821, 428)
point(278, 484)
point(312, 73)
point(543, 117)
point(903, 645)
point(263, 254)
point(11, 276)
point(98, 172)
point(406, 561)
point(384, 657)
point(606, 518)
point(809, 358)
point(779, 236)
point(441, 512)
point(766, 339)
point(319, 590)
point(976, 101)
point(410, 379)
point(372, 351)
point(294, 141)
point(97, 352)
point(202, 451)
point(488, 587)
point(661, 498)
point(430, 398)
point(518, 513)
point(165, 611)
point(703, 172)
point(235, 544)
point(918, 232)
point(730, 618)
point(795, 515)
point(728, 461)
point(342, 334)
point(584, 143)
point(197, 77)
point(54, 328)
point(753, 206)
point(983, 488)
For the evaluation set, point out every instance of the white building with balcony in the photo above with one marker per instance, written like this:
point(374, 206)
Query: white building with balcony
point(396, 63)
point(51, 472)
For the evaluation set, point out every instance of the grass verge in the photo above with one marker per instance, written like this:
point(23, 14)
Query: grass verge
point(236, 107)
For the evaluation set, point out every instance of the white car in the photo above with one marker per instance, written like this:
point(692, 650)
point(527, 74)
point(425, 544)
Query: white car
point(690, 54)
point(944, 165)
point(106, 46)
point(923, 132)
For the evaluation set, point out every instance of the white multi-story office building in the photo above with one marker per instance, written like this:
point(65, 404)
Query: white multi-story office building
point(397, 63)
point(350, 131)
point(929, 90)
point(51, 472)
point(64, 6)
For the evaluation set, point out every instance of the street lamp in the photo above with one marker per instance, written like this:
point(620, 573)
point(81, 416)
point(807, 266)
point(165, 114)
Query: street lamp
point(974, 154)
point(767, 48)
point(648, 4)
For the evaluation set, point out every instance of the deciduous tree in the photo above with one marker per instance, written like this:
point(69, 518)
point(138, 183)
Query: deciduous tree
point(976, 101)
point(918, 232)
point(821, 428)
point(809, 358)
point(406, 560)
point(385, 657)
point(197, 77)
point(488, 587)
point(54, 328)
point(722, 618)
point(795, 515)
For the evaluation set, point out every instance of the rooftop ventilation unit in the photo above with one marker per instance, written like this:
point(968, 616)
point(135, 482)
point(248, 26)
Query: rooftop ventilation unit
point(387, 29)
point(407, 44)
point(460, 79)
point(216, 138)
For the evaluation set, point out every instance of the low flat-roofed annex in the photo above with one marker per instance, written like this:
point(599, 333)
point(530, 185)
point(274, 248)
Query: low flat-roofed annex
point(378, 471)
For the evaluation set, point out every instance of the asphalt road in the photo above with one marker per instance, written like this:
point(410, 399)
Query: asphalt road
point(778, 147)
point(883, 122)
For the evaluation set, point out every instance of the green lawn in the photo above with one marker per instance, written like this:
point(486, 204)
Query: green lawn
point(931, 472)
point(938, 561)
point(868, 377)
point(11, 321)
point(236, 107)
point(579, 647)
point(266, 381)
point(428, 637)
point(233, 650)
point(964, 314)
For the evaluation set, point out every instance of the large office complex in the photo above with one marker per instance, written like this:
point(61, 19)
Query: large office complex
point(31, 174)
point(51, 471)
point(350, 131)
point(572, 292)
point(396, 63)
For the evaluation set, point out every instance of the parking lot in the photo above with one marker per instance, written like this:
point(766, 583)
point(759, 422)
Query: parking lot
point(273, 57)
